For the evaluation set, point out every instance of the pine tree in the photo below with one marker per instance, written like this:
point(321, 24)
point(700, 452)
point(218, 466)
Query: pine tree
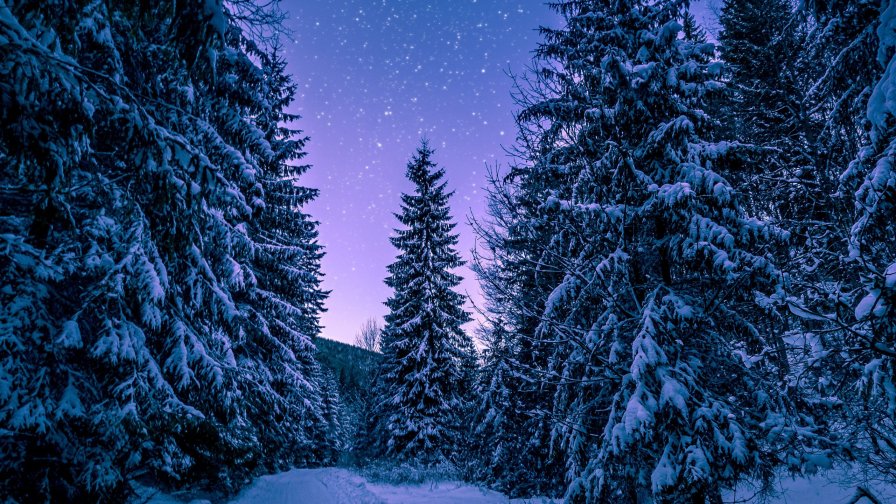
point(759, 42)
point(691, 30)
point(836, 65)
point(284, 307)
point(504, 454)
point(777, 59)
point(135, 160)
point(762, 105)
point(494, 390)
point(332, 437)
point(822, 71)
point(872, 259)
point(664, 319)
point(426, 354)
point(516, 390)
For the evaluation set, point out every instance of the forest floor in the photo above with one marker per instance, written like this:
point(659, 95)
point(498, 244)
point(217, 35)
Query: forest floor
point(332, 485)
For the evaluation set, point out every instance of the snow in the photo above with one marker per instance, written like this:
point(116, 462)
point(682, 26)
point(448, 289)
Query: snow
point(867, 304)
point(324, 486)
point(890, 277)
point(664, 475)
point(333, 485)
point(443, 493)
point(676, 394)
point(825, 488)
point(883, 99)
point(70, 336)
point(70, 404)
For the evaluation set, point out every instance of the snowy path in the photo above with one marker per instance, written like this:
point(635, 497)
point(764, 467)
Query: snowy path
point(323, 486)
point(332, 485)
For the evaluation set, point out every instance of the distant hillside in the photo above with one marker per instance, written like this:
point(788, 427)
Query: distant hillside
point(353, 366)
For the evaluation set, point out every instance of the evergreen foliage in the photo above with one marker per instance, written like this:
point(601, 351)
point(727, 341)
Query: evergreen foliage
point(161, 286)
point(353, 369)
point(353, 366)
point(826, 57)
point(424, 375)
point(663, 307)
point(512, 437)
point(515, 271)
point(871, 255)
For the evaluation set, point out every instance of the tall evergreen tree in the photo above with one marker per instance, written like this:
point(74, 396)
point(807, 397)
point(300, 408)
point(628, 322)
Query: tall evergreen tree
point(424, 374)
point(331, 431)
point(796, 90)
point(665, 336)
point(763, 105)
point(872, 255)
point(759, 42)
point(137, 145)
point(802, 83)
point(516, 388)
point(283, 309)
point(837, 68)
point(784, 99)
point(511, 441)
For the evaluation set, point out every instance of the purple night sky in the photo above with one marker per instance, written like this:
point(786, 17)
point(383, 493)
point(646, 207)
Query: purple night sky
point(376, 76)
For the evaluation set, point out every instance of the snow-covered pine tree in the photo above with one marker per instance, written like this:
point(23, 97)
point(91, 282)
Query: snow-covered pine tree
point(795, 90)
point(514, 420)
point(762, 105)
point(835, 68)
point(872, 256)
point(426, 353)
point(759, 41)
point(131, 150)
point(285, 305)
point(792, 184)
point(503, 454)
point(494, 391)
point(668, 358)
point(331, 438)
point(825, 130)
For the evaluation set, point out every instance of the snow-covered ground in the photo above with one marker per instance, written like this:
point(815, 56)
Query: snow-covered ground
point(832, 487)
point(340, 486)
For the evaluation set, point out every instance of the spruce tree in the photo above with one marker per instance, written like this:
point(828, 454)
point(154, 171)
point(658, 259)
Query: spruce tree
point(423, 376)
point(872, 257)
point(782, 99)
point(511, 448)
point(331, 431)
point(137, 146)
point(667, 358)
point(837, 68)
point(283, 308)
point(759, 42)
point(494, 391)
point(515, 271)
point(762, 105)
point(838, 64)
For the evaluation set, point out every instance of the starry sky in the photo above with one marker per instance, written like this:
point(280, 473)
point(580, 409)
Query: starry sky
point(377, 76)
